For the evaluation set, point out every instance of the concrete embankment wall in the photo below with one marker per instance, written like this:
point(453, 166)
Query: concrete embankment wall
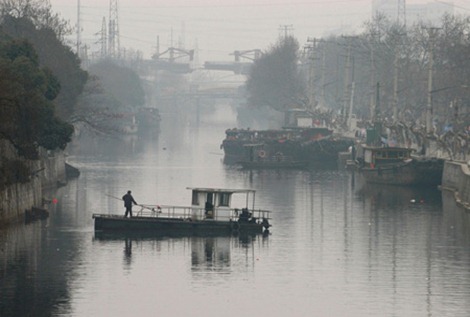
point(456, 177)
point(52, 169)
point(46, 173)
point(17, 198)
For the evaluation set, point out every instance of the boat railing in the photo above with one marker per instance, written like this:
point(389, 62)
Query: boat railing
point(195, 213)
point(182, 212)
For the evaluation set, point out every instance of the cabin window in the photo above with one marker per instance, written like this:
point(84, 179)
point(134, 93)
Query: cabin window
point(195, 198)
point(224, 199)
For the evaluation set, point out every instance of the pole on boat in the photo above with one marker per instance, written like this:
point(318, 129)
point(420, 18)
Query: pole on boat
point(146, 206)
point(113, 197)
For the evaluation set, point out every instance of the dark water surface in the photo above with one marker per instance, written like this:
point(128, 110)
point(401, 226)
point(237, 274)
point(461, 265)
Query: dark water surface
point(336, 248)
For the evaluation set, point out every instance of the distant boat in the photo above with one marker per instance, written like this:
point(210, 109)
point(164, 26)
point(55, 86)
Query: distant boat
point(289, 147)
point(210, 212)
point(398, 166)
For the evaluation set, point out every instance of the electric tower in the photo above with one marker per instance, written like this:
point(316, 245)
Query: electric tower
point(103, 39)
point(113, 37)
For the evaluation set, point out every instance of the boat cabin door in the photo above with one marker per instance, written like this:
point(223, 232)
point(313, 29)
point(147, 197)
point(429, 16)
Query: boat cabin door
point(209, 205)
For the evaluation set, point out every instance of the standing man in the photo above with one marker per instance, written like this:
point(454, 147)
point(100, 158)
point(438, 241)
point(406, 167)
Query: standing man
point(128, 200)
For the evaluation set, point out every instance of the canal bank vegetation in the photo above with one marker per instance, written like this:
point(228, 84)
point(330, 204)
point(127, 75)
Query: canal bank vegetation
point(410, 63)
point(43, 90)
point(40, 81)
point(112, 99)
point(27, 91)
point(34, 21)
point(274, 85)
point(275, 79)
point(413, 78)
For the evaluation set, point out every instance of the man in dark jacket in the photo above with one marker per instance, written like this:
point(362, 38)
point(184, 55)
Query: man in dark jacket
point(128, 200)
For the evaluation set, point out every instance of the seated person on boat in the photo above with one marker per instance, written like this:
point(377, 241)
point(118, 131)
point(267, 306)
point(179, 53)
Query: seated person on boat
point(246, 216)
point(209, 210)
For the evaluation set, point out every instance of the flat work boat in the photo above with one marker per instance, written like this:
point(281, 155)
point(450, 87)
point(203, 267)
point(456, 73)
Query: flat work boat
point(210, 212)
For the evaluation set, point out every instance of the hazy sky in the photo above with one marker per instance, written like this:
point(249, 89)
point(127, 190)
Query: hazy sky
point(218, 27)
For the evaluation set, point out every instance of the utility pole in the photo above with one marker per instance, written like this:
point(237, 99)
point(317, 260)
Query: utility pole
point(347, 75)
point(157, 48)
point(377, 113)
point(172, 56)
point(313, 51)
point(401, 22)
point(395, 86)
point(351, 105)
point(429, 109)
point(79, 29)
point(376, 120)
point(156, 88)
point(401, 13)
point(396, 69)
point(323, 72)
point(311, 74)
point(287, 28)
point(372, 104)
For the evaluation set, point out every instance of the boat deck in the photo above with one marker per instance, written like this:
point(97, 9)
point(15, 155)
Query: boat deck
point(177, 218)
point(185, 213)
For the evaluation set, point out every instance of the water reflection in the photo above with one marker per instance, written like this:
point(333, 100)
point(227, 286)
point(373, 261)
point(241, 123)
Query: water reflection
point(208, 253)
point(336, 248)
point(386, 196)
point(127, 252)
point(213, 254)
point(37, 265)
point(456, 219)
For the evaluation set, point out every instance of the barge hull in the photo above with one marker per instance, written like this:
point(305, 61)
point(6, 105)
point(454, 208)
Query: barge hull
point(146, 224)
point(414, 173)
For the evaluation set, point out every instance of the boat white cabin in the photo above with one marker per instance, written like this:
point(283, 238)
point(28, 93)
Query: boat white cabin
point(216, 203)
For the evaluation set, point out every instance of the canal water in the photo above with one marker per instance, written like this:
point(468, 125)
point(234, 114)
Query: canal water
point(336, 248)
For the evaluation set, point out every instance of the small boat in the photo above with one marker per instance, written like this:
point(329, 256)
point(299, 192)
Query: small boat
point(294, 147)
point(211, 211)
point(398, 166)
